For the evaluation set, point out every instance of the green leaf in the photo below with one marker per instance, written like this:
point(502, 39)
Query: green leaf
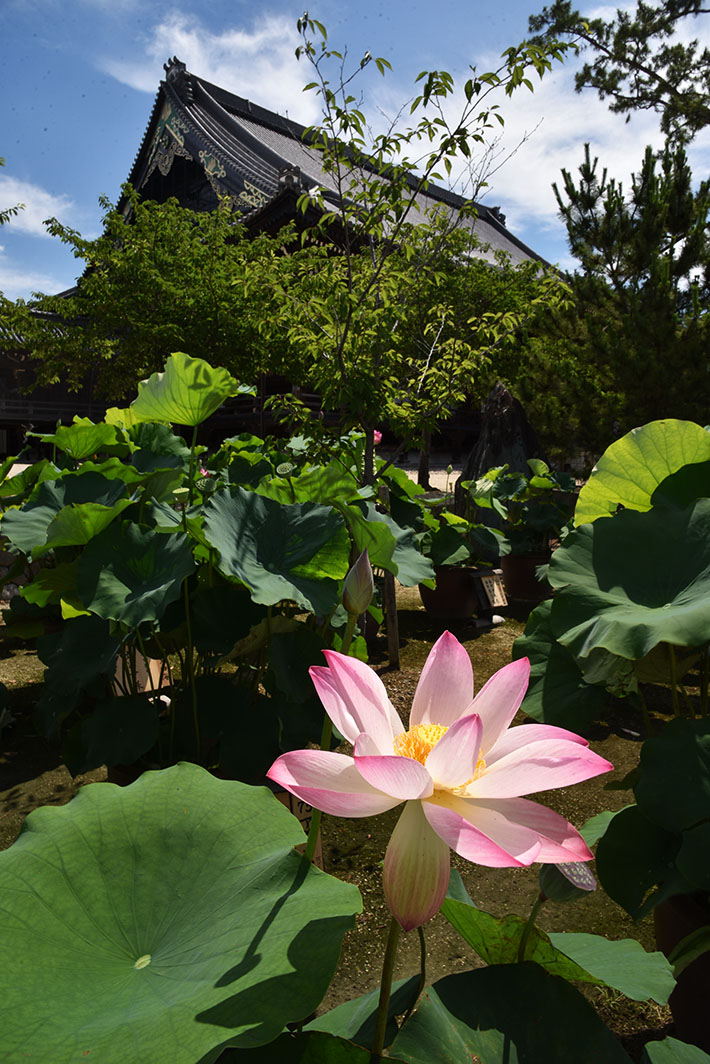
point(84, 438)
point(514, 1013)
point(557, 693)
point(407, 563)
point(290, 656)
point(497, 940)
point(622, 964)
point(130, 573)
point(297, 552)
point(27, 529)
point(158, 448)
point(692, 860)
point(186, 393)
point(689, 949)
point(633, 857)
point(621, 589)
point(323, 484)
point(82, 652)
point(314, 1047)
point(162, 922)
point(118, 732)
point(672, 1051)
point(674, 789)
point(630, 471)
point(77, 524)
point(356, 1019)
point(593, 829)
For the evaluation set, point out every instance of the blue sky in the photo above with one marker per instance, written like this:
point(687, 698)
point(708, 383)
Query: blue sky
point(79, 78)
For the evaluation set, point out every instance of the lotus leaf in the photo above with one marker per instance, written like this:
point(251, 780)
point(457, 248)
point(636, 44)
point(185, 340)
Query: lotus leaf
point(631, 469)
point(186, 393)
point(162, 922)
point(557, 693)
point(507, 1012)
point(672, 1051)
point(130, 573)
point(624, 590)
point(27, 529)
point(83, 438)
point(297, 552)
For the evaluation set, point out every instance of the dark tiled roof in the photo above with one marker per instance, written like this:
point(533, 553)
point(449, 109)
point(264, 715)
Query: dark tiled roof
point(245, 150)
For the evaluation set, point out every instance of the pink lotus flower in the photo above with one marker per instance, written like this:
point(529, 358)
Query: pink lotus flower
point(461, 770)
point(377, 436)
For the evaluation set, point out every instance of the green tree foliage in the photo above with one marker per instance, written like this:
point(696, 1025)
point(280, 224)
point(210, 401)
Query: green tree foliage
point(644, 291)
point(641, 59)
point(380, 323)
point(383, 307)
point(160, 278)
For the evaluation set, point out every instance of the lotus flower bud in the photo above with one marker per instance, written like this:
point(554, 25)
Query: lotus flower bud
point(359, 586)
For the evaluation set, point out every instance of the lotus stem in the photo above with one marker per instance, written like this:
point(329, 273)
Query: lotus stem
point(646, 715)
point(190, 669)
point(385, 991)
point(527, 930)
point(422, 976)
point(193, 444)
point(674, 680)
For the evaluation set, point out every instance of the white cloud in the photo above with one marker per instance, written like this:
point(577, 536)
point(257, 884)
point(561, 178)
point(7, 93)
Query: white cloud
point(257, 63)
point(545, 131)
point(38, 205)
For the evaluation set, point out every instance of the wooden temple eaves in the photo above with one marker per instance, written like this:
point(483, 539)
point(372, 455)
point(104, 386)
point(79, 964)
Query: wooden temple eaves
point(204, 144)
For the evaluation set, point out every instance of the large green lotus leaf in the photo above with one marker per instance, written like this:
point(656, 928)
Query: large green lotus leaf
point(81, 655)
point(515, 1013)
point(84, 438)
point(620, 963)
point(161, 922)
point(407, 563)
point(682, 487)
point(290, 656)
point(130, 573)
point(314, 1047)
point(557, 693)
point(629, 584)
point(324, 484)
point(221, 616)
point(672, 1051)
point(356, 1019)
point(26, 529)
point(629, 471)
point(15, 489)
point(76, 524)
point(118, 732)
point(52, 585)
point(238, 727)
point(157, 447)
point(296, 552)
point(623, 965)
point(497, 939)
point(186, 393)
point(674, 789)
point(633, 857)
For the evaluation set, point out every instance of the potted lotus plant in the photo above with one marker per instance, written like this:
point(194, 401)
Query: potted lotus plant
point(455, 547)
point(532, 509)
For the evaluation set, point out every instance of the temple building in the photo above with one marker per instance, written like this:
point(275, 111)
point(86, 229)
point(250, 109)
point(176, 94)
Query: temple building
point(203, 145)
